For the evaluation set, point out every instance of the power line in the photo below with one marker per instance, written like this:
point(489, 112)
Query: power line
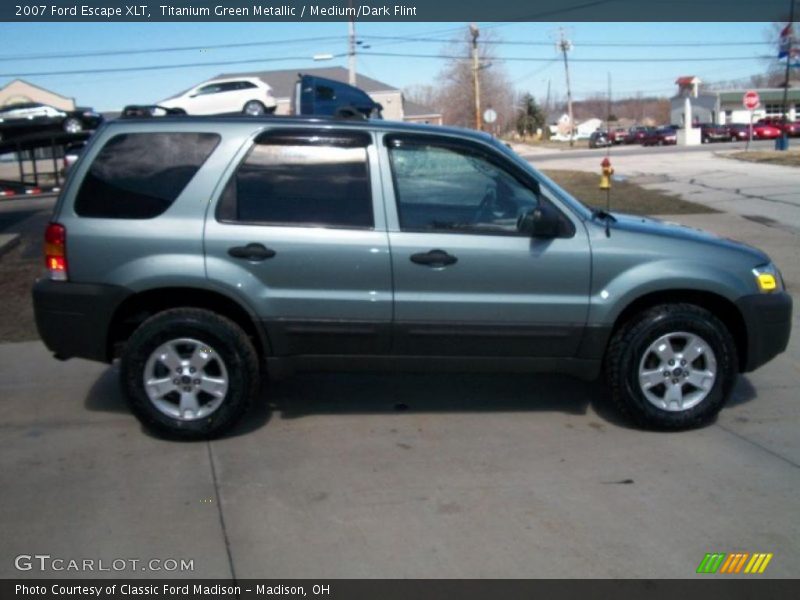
point(161, 67)
point(582, 44)
point(95, 53)
point(586, 60)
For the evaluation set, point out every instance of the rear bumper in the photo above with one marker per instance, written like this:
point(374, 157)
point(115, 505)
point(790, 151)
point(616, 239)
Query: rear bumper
point(73, 319)
point(768, 318)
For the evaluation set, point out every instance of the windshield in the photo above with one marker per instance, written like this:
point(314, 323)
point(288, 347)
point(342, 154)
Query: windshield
point(551, 186)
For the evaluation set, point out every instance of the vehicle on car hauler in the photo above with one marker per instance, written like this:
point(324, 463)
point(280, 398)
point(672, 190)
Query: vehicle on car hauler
point(199, 249)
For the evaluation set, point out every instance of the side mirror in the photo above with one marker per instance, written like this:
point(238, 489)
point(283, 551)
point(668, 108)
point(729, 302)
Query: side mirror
point(540, 222)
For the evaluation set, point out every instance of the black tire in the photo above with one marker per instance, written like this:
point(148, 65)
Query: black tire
point(223, 335)
point(631, 341)
point(254, 108)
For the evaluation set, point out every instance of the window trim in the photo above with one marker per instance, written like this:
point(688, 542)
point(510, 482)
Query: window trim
point(395, 140)
point(303, 137)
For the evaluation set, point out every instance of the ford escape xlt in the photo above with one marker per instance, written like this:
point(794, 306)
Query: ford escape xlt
point(198, 250)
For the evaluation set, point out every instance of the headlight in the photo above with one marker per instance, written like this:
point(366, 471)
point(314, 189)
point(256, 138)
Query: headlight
point(768, 278)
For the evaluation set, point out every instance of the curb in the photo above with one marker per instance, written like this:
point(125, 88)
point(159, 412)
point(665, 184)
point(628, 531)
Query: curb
point(8, 241)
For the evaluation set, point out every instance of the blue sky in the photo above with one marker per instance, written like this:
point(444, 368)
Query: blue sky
point(109, 91)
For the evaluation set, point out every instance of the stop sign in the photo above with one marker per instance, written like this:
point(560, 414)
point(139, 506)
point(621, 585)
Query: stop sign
point(751, 100)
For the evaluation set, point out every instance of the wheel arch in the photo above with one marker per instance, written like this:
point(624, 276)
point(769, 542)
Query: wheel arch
point(135, 309)
point(725, 310)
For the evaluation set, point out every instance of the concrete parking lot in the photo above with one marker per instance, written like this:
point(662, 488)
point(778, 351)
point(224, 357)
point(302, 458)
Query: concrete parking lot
point(346, 475)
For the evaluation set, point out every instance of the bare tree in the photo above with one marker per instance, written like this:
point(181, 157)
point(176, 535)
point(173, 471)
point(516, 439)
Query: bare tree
point(426, 95)
point(456, 96)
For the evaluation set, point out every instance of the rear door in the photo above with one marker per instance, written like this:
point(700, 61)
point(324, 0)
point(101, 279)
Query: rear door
point(466, 281)
point(299, 234)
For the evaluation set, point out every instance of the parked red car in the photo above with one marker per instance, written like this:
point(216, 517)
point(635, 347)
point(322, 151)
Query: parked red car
point(637, 135)
point(792, 128)
point(617, 135)
point(741, 131)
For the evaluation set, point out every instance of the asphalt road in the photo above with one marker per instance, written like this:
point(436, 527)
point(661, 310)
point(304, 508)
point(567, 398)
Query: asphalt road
point(403, 475)
point(544, 154)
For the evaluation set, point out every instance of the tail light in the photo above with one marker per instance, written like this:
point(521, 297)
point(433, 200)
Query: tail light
point(55, 251)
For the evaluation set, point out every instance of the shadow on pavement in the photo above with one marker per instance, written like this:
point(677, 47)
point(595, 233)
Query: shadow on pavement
point(359, 393)
point(353, 393)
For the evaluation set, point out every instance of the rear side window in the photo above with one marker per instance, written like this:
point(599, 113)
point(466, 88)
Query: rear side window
point(300, 182)
point(139, 175)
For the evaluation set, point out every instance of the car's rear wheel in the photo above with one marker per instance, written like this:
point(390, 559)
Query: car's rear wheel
point(189, 373)
point(254, 108)
point(672, 367)
point(72, 125)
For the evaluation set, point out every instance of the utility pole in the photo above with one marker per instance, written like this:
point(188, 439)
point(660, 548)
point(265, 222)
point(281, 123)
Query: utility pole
point(785, 136)
point(565, 46)
point(474, 32)
point(351, 48)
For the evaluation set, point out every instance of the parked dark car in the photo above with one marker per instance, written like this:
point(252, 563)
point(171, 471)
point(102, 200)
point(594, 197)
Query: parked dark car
point(663, 136)
point(709, 132)
point(25, 118)
point(599, 139)
point(637, 135)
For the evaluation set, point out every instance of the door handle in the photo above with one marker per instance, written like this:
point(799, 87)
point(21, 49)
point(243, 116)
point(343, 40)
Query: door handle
point(253, 252)
point(434, 258)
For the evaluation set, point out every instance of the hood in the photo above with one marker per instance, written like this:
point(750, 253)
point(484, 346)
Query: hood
point(669, 229)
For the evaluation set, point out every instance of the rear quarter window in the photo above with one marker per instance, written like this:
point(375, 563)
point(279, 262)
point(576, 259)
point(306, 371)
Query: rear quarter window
point(140, 175)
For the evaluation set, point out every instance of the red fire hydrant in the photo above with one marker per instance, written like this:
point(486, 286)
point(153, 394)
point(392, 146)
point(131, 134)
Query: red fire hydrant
point(607, 172)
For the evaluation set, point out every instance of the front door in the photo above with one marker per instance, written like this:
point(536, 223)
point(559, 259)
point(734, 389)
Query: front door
point(466, 281)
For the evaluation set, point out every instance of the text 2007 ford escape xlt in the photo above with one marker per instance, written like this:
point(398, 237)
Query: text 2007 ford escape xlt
point(199, 250)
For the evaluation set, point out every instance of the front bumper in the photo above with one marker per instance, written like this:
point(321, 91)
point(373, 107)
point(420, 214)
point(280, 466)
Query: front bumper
point(73, 319)
point(768, 319)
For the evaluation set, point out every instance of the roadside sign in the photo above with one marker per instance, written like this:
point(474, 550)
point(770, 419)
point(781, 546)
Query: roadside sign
point(490, 116)
point(751, 101)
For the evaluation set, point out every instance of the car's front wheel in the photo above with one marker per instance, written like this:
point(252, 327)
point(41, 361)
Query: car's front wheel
point(672, 367)
point(72, 125)
point(189, 373)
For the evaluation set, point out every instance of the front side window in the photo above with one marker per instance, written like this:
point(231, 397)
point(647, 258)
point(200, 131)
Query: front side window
point(299, 182)
point(441, 188)
point(140, 175)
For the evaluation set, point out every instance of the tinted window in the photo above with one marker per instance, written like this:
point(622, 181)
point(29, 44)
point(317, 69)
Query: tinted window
point(209, 89)
point(289, 182)
point(440, 188)
point(325, 93)
point(139, 175)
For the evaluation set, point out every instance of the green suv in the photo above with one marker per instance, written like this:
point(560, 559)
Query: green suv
point(204, 252)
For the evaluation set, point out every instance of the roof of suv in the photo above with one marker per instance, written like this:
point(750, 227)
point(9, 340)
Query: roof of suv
point(376, 124)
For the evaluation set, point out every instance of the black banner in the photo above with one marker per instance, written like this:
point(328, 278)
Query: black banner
point(335, 589)
point(395, 10)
